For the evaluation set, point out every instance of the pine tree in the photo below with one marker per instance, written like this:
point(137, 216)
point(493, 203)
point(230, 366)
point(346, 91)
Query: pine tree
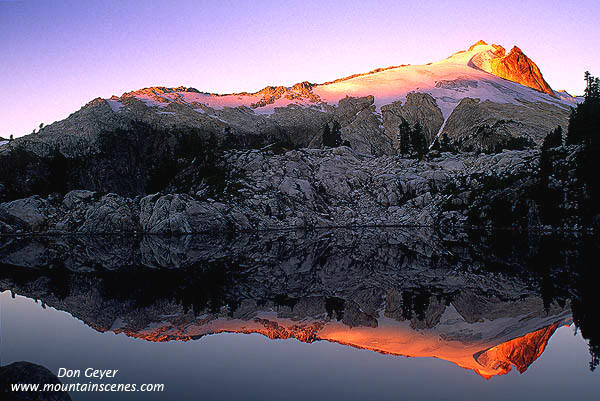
point(336, 135)
point(445, 143)
point(404, 137)
point(592, 88)
point(548, 197)
point(584, 121)
point(418, 141)
point(584, 129)
point(327, 141)
point(554, 139)
point(588, 79)
point(595, 90)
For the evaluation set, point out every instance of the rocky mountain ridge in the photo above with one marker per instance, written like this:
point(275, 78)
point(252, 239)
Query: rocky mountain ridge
point(514, 66)
point(497, 89)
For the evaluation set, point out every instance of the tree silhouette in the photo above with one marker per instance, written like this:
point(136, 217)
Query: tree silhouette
point(584, 127)
point(336, 135)
point(554, 139)
point(445, 143)
point(592, 87)
point(404, 137)
point(332, 137)
point(548, 196)
point(584, 121)
point(418, 141)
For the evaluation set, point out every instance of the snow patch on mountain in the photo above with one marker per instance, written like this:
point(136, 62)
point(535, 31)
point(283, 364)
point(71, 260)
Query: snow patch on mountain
point(115, 105)
point(566, 97)
point(448, 81)
point(463, 74)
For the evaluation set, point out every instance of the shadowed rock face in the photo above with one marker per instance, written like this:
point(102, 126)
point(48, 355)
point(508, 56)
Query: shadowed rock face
point(29, 373)
point(466, 297)
point(317, 188)
point(419, 108)
point(306, 188)
point(486, 126)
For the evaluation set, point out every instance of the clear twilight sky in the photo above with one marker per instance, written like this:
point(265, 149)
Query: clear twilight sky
point(58, 55)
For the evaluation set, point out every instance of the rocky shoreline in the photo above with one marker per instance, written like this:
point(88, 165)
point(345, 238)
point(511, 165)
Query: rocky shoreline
point(312, 188)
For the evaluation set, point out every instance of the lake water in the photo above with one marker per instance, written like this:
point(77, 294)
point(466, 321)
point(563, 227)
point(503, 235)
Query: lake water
point(352, 315)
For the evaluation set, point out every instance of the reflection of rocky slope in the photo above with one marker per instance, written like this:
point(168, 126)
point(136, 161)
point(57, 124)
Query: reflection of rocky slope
point(488, 347)
point(355, 317)
point(398, 292)
point(520, 352)
point(280, 250)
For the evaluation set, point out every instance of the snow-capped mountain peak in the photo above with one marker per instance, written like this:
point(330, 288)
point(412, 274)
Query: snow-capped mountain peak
point(478, 89)
point(449, 80)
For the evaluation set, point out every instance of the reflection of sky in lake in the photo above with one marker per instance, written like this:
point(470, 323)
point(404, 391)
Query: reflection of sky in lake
point(253, 367)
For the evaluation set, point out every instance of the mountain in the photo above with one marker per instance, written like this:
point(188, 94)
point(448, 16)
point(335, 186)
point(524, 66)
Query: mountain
point(480, 88)
point(514, 66)
point(460, 76)
point(255, 160)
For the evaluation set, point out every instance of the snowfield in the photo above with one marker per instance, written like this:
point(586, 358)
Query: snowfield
point(464, 74)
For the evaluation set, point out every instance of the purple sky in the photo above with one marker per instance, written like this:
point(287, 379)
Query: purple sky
point(59, 54)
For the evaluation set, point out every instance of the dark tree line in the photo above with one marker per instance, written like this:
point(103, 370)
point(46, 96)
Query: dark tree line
point(584, 127)
point(554, 139)
point(584, 121)
point(548, 196)
point(331, 136)
point(23, 173)
point(412, 141)
point(583, 130)
point(445, 145)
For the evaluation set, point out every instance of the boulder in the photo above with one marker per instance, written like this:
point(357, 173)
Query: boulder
point(29, 214)
point(29, 373)
point(178, 214)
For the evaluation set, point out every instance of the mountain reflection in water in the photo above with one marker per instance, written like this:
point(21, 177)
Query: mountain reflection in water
point(484, 301)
